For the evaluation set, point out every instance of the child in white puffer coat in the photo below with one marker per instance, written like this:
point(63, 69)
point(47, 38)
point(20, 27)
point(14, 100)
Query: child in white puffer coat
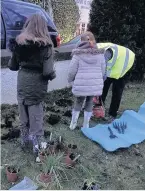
point(86, 72)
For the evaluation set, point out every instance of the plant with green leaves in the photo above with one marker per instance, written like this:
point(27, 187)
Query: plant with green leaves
point(66, 15)
point(54, 166)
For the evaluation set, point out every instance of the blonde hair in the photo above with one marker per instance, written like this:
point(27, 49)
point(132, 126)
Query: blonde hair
point(88, 36)
point(36, 30)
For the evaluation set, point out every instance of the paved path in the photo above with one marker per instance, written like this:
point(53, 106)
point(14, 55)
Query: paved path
point(9, 82)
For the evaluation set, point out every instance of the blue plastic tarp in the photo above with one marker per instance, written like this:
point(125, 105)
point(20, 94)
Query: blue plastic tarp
point(134, 134)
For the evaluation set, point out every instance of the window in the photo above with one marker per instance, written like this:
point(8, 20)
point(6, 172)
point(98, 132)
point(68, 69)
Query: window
point(17, 14)
point(75, 40)
point(83, 29)
point(2, 34)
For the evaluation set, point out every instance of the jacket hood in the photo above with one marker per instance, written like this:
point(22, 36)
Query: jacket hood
point(29, 51)
point(87, 53)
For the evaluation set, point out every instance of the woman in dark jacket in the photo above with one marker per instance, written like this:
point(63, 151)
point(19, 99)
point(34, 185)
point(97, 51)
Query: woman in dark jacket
point(32, 57)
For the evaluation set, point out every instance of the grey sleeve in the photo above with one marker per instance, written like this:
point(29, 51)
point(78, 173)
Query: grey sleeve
point(73, 68)
point(108, 55)
point(48, 65)
point(13, 63)
point(103, 66)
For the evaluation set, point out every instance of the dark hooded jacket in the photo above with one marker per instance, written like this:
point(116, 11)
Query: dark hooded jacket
point(35, 66)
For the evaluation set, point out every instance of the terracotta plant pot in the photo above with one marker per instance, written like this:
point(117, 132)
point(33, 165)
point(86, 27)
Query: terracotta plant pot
point(12, 176)
point(45, 178)
point(69, 162)
point(42, 157)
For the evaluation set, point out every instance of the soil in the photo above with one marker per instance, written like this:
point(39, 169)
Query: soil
point(54, 97)
point(47, 134)
point(68, 113)
point(51, 143)
point(72, 146)
point(51, 109)
point(14, 133)
point(60, 147)
point(12, 170)
point(64, 103)
point(72, 156)
point(43, 154)
point(92, 186)
point(54, 114)
point(3, 125)
point(53, 119)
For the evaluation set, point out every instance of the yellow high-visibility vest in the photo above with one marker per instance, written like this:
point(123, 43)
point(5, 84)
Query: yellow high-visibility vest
point(121, 61)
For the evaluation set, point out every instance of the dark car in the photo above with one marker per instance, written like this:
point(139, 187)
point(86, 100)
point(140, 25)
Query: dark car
point(14, 13)
point(69, 46)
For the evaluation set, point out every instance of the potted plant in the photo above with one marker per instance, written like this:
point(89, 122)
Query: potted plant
point(71, 159)
point(52, 167)
point(42, 155)
point(12, 173)
point(60, 145)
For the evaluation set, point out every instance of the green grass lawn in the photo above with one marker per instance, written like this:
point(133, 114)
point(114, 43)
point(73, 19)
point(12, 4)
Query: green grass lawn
point(123, 169)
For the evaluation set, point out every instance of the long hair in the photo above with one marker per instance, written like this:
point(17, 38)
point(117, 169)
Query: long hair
point(88, 36)
point(35, 29)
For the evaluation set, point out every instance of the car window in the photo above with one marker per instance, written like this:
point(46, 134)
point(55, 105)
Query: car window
point(17, 14)
point(2, 33)
point(2, 27)
point(75, 40)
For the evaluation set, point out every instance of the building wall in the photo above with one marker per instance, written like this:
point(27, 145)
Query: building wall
point(84, 7)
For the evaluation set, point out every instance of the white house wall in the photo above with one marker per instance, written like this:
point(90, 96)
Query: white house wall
point(84, 7)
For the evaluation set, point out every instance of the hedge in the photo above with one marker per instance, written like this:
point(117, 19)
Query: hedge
point(121, 22)
point(65, 15)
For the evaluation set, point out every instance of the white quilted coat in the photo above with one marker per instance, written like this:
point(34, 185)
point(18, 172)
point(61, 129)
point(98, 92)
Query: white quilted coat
point(86, 71)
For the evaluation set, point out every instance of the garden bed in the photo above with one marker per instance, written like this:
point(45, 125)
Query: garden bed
point(123, 169)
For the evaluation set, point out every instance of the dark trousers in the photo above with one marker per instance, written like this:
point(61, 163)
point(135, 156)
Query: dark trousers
point(117, 90)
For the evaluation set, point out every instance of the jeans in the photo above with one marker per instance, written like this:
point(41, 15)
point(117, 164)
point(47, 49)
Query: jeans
point(88, 104)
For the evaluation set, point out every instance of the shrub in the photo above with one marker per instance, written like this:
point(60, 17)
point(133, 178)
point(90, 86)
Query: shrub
point(65, 14)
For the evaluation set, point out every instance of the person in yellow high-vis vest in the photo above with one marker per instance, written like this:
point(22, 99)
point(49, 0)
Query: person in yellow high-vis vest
point(119, 61)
